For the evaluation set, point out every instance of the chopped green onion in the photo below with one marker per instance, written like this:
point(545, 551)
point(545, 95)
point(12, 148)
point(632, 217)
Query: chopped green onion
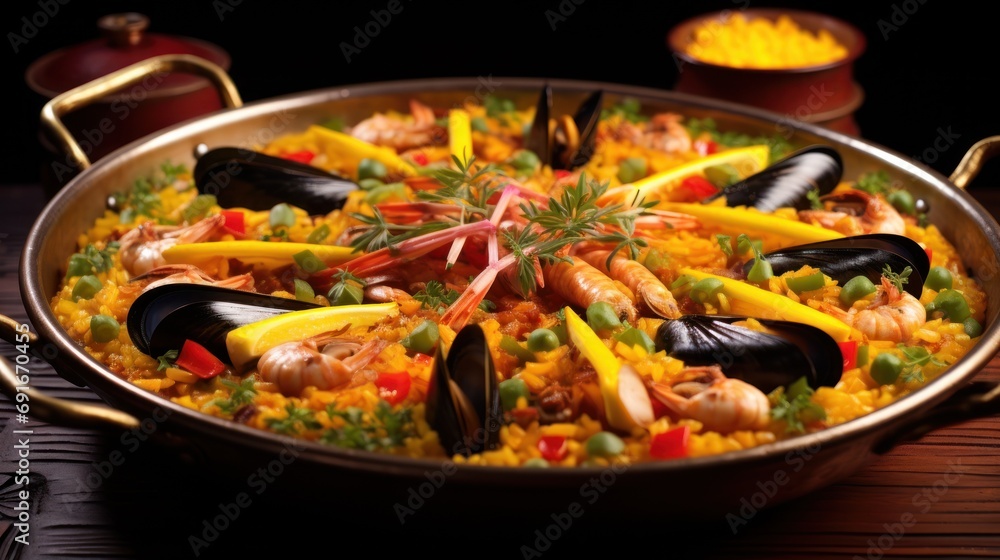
point(479, 124)
point(632, 336)
point(862, 356)
point(722, 175)
point(282, 215)
point(303, 291)
point(703, 290)
point(344, 293)
point(951, 304)
point(319, 234)
point(309, 262)
point(422, 339)
point(371, 168)
point(601, 315)
point(632, 169)
point(799, 284)
point(511, 346)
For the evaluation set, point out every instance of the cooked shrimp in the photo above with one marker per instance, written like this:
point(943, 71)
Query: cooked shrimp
point(643, 283)
point(188, 274)
point(855, 212)
point(892, 315)
point(663, 132)
point(324, 362)
point(402, 134)
point(142, 248)
point(721, 404)
point(581, 284)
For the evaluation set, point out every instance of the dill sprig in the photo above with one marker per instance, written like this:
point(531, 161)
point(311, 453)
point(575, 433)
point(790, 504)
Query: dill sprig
point(381, 234)
point(468, 186)
point(897, 279)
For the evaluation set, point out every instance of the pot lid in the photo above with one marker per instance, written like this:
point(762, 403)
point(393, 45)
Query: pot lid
point(124, 42)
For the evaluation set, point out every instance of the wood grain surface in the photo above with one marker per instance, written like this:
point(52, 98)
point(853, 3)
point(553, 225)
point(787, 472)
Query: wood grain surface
point(97, 496)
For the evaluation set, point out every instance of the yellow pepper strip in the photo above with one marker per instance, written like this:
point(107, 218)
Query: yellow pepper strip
point(460, 134)
point(746, 299)
point(354, 150)
point(268, 253)
point(747, 221)
point(247, 343)
point(616, 381)
point(747, 161)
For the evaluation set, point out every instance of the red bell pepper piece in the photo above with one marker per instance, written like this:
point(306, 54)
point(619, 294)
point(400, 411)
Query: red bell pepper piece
point(422, 359)
point(930, 252)
point(705, 147)
point(234, 223)
point(420, 158)
point(671, 444)
point(393, 387)
point(301, 156)
point(696, 188)
point(198, 360)
point(560, 173)
point(553, 448)
point(849, 350)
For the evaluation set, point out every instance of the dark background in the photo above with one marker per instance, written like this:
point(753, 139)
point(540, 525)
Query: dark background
point(935, 71)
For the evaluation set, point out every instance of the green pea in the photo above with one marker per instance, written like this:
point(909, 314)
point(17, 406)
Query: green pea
point(939, 278)
point(722, 175)
point(855, 289)
point(371, 169)
point(319, 234)
point(479, 124)
point(104, 328)
point(631, 169)
point(761, 271)
point(903, 201)
point(885, 368)
point(799, 284)
point(525, 161)
point(86, 287)
point(536, 463)
point(510, 391)
point(309, 262)
point(370, 184)
point(344, 293)
point(705, 289)
point(542, 340)
point(633, 336)
point(303, 291)
point(951, 304)
point(422, 339)
point(511, 346)
point(282, 215)
point(601, 315)
point(972, 327)
point(604, 444)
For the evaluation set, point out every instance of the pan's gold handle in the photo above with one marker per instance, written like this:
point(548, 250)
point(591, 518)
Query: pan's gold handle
point(974, 159)
point(92, 91)
point(15, 384)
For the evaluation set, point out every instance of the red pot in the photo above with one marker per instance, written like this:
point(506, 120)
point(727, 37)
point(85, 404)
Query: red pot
point(157, 102)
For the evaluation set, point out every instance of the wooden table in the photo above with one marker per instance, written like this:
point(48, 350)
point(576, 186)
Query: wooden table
point(937, 497)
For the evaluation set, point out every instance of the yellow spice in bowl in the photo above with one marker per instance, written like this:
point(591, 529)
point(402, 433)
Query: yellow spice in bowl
point(762, 43)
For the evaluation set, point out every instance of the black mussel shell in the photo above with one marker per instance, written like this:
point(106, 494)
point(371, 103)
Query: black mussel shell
point(787, 182)
point(859, 255)
point(463, 402)
point(764, 360)
point(161, 319)
point(548, 150)
point(248, 179)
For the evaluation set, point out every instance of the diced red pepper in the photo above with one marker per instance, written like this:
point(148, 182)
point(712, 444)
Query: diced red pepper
point(671, 444)
point(422, 359)
point(849, 350)
point(930, 252)
point(198, 360)
point(393, 387)
point(659, 409)
point(234, 222)
point(553, 448)
point(696, 188)
point(420, 158)
point(301, 156)
point(560, 173)
point(705, 147)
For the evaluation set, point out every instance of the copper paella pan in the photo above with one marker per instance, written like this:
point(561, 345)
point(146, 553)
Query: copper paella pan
point(827, 456)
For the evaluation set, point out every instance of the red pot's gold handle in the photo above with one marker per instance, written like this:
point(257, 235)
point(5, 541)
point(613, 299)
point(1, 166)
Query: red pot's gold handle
point(94, 90)
point(14, 383)
point(974, 159)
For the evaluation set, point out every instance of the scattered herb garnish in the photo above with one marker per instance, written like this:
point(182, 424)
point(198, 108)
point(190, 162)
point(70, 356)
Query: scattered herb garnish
point(876, 182)
point(914, 358)
point(897, 279)
point(383, 429)
point(628, 109)
point(725, 243)
point(167, 359)
point(435, 296)
point(91, 260)
point(198, 207)
point(795, 406)
point(241, 394)
point(814, 201)
point(761, 269)
point(297, 420)
point(779, 145)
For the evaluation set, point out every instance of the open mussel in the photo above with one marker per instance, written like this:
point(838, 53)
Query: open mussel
point(787, 182)
point(244, 178)
point(463, 402)
point(860, 255)
point(762, 359)
point(566, 142)
point(162, 318)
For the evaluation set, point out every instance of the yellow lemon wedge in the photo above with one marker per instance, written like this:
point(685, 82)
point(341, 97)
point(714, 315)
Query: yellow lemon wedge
point(247, 343)
point(626, 401)
point(746, 161)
